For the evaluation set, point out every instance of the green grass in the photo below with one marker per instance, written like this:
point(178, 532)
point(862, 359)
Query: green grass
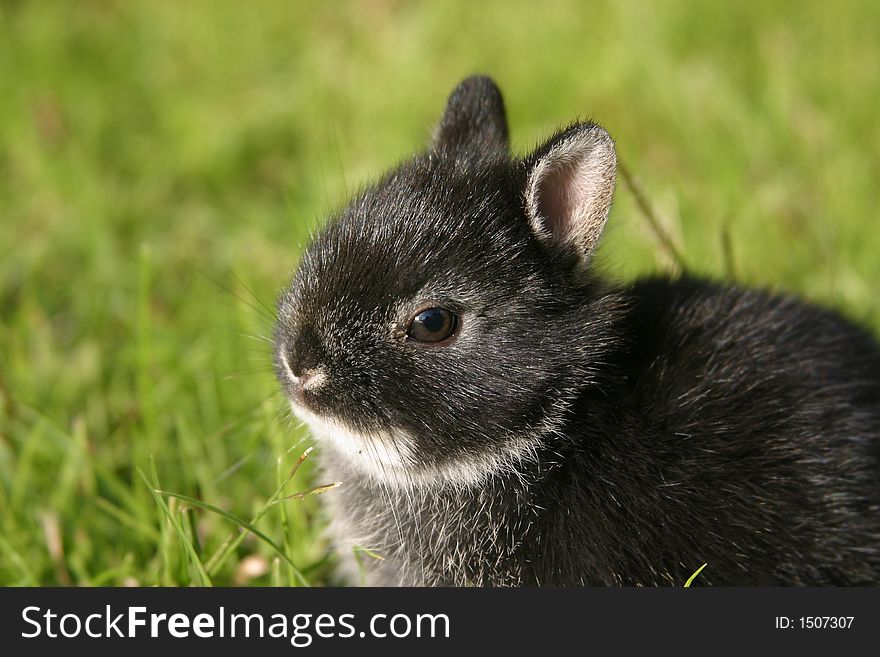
point(161, 164)
point(690, 580)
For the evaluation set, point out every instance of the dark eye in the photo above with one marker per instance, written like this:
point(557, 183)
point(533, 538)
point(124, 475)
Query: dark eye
point(432, 325)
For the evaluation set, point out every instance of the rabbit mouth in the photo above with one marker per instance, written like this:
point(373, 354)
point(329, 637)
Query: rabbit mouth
point(391, 457)
point(379, 453)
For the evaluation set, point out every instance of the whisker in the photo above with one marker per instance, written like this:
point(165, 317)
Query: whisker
point(259, 338)
point(262, 310)
point(272, 312)
point(255, 315)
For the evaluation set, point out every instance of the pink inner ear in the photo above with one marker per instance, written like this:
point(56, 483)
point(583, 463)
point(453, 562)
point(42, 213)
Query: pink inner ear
point(559, 199)
point(571, 188)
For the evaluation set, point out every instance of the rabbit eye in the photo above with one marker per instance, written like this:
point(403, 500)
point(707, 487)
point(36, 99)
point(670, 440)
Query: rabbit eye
point(432, 325)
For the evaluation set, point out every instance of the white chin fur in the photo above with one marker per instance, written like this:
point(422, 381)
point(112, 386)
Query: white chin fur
point(389, 457)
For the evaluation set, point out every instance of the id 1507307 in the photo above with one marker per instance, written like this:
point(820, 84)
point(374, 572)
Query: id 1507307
point(815, 622)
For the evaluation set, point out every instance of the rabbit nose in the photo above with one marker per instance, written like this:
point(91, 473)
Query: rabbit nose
point(305, 358)
point(303, 379)
point(310, 379)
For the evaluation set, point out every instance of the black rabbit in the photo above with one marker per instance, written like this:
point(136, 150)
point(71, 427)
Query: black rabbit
point(499, 415)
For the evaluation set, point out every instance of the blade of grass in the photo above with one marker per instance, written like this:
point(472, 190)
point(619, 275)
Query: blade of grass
point(106, 577)
point(243, 524)
point(359, 551)
point(276, 572)
point(235, 539)
point(28, 578)
point(691, 579)
point(189, 517)
point(125, 518)
point(641, 199)
point(285, 525)
point(194, 557)
point(317, 490)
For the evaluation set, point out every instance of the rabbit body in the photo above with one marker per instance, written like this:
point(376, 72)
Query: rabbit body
point(729, 427)
point(500, 415)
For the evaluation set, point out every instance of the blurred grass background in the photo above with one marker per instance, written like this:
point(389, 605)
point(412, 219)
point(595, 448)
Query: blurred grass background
point(161, 163)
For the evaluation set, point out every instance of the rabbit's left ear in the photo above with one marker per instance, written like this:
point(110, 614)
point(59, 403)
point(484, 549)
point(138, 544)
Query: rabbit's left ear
point(570, 188)
point(474, 122)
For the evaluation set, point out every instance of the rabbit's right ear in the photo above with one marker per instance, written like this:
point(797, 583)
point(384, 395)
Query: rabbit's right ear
point(570, 188)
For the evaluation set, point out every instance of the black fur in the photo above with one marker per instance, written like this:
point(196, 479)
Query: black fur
point(669, 422)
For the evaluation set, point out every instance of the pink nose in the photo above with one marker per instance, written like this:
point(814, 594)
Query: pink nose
point(302, 381)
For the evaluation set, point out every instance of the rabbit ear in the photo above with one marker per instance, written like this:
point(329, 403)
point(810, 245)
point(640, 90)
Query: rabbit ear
point(474, 120)
point(570, 187)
